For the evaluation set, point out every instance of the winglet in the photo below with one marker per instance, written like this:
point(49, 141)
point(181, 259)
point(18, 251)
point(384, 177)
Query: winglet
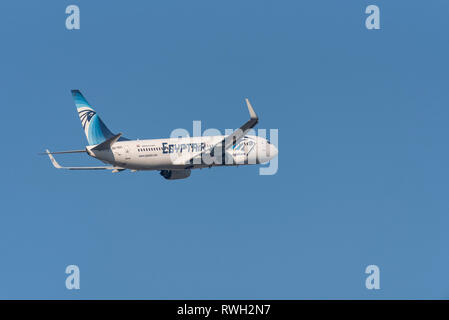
point(252, 114)
point(53, 160)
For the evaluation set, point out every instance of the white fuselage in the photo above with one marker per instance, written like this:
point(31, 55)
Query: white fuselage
point(170, 153)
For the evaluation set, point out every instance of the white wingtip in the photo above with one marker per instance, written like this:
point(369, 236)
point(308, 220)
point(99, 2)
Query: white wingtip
point(53, 160)
point(252, 114)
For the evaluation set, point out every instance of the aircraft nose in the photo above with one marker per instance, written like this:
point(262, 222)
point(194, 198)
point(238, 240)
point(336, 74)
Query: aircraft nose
point(273, 151)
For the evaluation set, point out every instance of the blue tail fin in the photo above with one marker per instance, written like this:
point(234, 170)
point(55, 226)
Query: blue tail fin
point(95, 129)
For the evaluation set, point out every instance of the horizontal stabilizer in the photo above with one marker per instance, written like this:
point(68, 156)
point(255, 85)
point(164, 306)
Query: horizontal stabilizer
point(62, 152)
point(58, 166)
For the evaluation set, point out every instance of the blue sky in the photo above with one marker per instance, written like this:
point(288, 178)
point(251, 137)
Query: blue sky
point(363, 149)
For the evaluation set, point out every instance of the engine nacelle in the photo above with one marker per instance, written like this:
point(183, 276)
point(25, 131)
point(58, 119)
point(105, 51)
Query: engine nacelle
point(175, 174)
point(240, 159)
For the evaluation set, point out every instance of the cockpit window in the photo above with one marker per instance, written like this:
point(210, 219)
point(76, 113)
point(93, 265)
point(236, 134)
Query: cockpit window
point(268, 142)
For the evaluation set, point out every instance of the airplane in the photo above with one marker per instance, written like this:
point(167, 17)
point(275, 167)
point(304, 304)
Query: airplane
point(173, 157)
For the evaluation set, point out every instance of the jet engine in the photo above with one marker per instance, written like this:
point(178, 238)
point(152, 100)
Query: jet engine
point(175, 174)
point(240, 159)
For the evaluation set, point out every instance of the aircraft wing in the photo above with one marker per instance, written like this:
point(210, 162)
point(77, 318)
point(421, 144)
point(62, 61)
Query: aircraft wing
point(58, 166)
point(240, 132)
point(228, 140)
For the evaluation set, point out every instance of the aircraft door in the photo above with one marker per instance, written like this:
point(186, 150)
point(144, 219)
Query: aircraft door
point(127, 153)
point(122, 153)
